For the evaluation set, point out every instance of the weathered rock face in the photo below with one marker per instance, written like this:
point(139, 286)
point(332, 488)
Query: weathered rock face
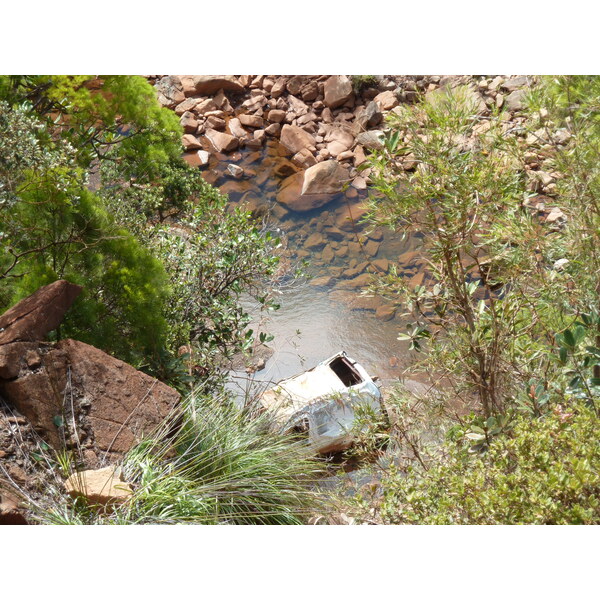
point(35, 316)
point(100, 486)
point(57, 385)
point(170, 91)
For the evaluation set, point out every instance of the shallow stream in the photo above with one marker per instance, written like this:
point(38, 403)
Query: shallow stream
point(324, 312)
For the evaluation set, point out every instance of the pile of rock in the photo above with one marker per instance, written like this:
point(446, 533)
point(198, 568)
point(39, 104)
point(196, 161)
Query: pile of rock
point(315, 118)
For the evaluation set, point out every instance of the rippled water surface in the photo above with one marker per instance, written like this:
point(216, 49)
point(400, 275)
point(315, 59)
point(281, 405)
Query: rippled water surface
point(315, 322)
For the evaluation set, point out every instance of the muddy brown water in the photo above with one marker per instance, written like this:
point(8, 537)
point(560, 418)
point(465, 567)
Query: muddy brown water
point(316, 321)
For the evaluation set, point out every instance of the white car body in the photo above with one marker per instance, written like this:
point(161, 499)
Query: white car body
point(321, 402)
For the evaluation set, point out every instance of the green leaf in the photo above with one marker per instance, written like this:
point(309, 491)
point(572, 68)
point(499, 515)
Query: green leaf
point(58, 421)
point(569, 339)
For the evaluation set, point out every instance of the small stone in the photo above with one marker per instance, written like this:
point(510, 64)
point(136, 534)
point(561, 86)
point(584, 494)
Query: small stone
point(100, 486)
point(235, 171)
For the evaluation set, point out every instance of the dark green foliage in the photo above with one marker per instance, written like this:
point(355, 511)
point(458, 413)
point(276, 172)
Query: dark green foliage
point(94, 190)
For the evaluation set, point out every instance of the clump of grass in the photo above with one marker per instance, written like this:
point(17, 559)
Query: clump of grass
point(359, 82)
point(220, 466)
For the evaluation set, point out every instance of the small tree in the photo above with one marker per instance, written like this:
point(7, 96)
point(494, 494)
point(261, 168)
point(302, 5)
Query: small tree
point(465, 200)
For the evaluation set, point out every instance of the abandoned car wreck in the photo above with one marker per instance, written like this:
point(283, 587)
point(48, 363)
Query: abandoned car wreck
point(322, 402)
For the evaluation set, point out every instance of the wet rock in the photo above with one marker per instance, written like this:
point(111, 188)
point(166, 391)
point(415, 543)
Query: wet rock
point(295, 139)
point(327, 255)
point(372, 248)
point(197, 158)
point(338, 90)
point(325, 281)
point(314, 241)
point(222, 142)
point(101, 486)
point(358, 282)
point(40, 313)
point(382, 265)
point(235, 171)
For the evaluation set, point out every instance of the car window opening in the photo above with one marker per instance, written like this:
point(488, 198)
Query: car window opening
point(345, 371)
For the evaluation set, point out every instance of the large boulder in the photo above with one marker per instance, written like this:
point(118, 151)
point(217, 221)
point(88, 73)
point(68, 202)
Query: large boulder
point(338, 90)
point(295, 139)
point(313, 188)
point(70, 391)
point(113, 404)
point(37, 315)
point(327, 177)
point(207, 85)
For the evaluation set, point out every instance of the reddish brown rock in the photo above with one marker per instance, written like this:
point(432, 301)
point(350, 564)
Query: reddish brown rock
point(295, 139)
point(114, 403)
point(206, 85)
point(10, 511)
point(327, 177)
point(35, 316)
point(251, 121)
point(222, 142)
point(190, 142)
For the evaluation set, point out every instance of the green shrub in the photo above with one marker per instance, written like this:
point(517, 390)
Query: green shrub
point(544, 471)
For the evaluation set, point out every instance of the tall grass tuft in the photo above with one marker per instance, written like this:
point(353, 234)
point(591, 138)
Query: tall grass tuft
point(210, 463)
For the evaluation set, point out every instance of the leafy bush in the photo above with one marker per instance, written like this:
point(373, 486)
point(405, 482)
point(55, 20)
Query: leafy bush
point(546, 471)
